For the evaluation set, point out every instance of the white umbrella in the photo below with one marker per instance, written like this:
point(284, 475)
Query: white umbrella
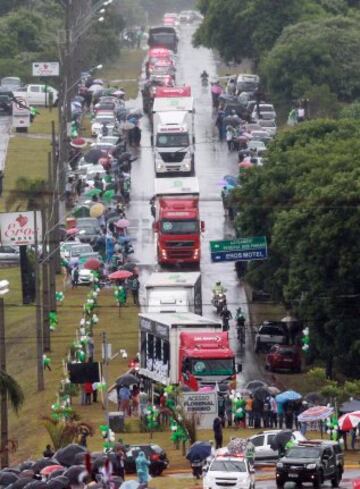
point(289, 319)
point(95, 88)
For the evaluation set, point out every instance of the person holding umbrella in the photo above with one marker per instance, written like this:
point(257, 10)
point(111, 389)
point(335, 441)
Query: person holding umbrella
point(134, 285)
point(218, 432)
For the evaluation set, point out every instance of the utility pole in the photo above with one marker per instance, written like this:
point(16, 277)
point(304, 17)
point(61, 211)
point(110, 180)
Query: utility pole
point(45, 278)
point(3, 405)
point(39, 329)
point(105, 355)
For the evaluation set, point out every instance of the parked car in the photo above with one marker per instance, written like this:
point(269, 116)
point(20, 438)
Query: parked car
point(228, 471)
point(262, 443)
point(9, 254)
point(90, 229)
point(264, 111)
point(247, 82)
point(157, 456)
point(269, 126)
point(283, 357)
point(261, 135)
point(11, 82)
point(270, 333)
point(100, 120)
point(258, 146)
point(315, 463)
point(38, 95)
point(6, 99)
point(65, 247)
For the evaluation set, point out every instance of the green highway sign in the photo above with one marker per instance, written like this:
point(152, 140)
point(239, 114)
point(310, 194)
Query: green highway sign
point(242, 249)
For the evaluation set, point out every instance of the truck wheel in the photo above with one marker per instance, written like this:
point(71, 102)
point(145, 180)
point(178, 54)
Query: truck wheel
point(335, 481)
point(279, 483)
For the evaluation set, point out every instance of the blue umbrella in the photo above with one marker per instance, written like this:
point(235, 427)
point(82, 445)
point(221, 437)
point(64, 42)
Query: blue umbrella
point(288, 396)
point(199, 450)
point(231, 180)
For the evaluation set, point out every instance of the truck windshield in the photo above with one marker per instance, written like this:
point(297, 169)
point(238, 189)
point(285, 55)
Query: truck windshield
point(212, 366)
point(185, 226)
point(172, 140)
point(162, 39)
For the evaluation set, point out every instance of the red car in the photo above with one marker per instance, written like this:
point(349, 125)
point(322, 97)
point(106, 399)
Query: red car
point(283, 357)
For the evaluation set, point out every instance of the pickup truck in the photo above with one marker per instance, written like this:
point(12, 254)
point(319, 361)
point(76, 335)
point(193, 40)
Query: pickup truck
point(37, 95)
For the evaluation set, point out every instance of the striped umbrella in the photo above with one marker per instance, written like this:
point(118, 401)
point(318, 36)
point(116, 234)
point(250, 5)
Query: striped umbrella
point(349, 421)
point(315, 413)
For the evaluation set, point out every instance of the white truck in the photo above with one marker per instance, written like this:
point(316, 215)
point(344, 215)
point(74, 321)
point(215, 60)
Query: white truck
point(174, 292)
point(173, 136)
point(21, 120)
point(38, 95)
point(178, 344)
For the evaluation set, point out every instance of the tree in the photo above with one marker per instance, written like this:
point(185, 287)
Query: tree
point(64, 432)
point(323, 51)
point(305, 200)
point(32, 192)
point(250, 28)
point(11, 388)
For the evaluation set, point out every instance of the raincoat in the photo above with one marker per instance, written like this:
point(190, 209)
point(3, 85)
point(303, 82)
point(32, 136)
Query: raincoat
point(142, 468)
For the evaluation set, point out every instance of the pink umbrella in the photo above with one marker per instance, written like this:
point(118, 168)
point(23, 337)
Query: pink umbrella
point(217, 89)
point(120, 275)
point(122, 223)
point(349, 421)
point(245, 164)
point(72, 231)
point(50, 469)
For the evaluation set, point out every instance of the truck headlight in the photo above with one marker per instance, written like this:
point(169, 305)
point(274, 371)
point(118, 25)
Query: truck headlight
point(196, 253)
point(163, 253)
point(311, 466)
point(187, 165)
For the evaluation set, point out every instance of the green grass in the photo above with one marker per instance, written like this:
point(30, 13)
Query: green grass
point(25, 157)
point(42, 122)
point(127, 66)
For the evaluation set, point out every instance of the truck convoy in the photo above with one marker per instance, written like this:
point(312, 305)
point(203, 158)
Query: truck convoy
point(174, 292)
point(174, 346)
point(177, 221)
point(173, 136)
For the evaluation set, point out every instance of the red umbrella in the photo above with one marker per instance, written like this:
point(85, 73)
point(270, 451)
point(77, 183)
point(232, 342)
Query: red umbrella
point(78, 143)
point(120, 274)
point(50, 469)
point(122, 223)
point(72, 231)
point(92, 264)
point(349, 421)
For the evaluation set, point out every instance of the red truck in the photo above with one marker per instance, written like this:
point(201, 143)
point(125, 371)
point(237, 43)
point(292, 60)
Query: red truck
point(177, 221)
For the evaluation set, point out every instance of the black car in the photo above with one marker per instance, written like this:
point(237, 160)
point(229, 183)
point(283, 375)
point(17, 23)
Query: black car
point(157, 456)
point(6, 99)
point(312, 462)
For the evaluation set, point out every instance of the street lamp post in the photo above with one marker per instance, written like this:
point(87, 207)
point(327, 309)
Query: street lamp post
point(4, 289)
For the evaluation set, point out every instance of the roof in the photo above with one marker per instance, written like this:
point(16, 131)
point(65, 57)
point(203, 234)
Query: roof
point(177, 118)
point(179, 319)
point(172, 279)
point(165, 104)
point(177, 186)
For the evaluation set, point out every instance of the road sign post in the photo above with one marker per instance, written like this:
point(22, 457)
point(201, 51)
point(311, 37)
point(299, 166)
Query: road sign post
point(240, 249)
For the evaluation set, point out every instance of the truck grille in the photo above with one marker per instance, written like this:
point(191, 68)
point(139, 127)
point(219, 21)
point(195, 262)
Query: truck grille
point(176, 157)
point(180, 250)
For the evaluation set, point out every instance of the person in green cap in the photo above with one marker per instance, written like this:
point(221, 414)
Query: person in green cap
point(250, 454)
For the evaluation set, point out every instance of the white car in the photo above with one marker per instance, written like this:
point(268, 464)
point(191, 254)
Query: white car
point(265, 111)
point(247, 82)
point(85, 277)
point(269, 126)
point(228, 471)
point(262, 443)
point(258, 146)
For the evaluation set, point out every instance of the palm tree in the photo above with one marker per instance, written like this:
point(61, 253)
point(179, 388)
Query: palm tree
point(13, 391)
point(9, 390)
point(31, 192)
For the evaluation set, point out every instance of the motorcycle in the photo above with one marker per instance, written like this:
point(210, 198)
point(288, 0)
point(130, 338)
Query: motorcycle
point(240, 329)
point(204, 81)
point(197, 466)
point(219, 301)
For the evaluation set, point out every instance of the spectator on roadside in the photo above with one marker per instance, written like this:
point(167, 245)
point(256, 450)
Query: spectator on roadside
point(273, 415)
point(48, 452)
point(249, 411)
point(280, 415)
point(228, 411)
point(124, 399)
point(143, 401)
point(258, 408)
point(218, 432)
point(75, 277)
point(134, 284)
point(88, 390)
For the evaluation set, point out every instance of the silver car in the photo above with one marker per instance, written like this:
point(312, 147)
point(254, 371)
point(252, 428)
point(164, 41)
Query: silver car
point(9, 254)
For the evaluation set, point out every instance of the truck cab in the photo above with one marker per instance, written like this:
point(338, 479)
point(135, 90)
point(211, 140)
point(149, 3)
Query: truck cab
point(208, 357)
point(163, 37)
point(177, 221)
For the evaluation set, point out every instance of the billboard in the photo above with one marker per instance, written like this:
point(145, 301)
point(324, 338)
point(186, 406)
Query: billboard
point(46, 69)
point(18, 228)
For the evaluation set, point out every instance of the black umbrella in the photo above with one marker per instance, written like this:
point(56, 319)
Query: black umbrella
point(94, 155)
point(261, 393)
point(20, 483)
point(58, 483)
point(36, 484)
point(280, 440)
point(43, 462)
point(127, 380)
point(254, 384)
point(7, 478)
point(27, 464)
point(315, 398)
point(130, 266)
point(350, 406)
point(74, 472)
point(66, 456)
point(200, 450)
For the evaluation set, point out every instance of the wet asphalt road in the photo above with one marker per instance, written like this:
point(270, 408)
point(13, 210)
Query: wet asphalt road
point(5, 125)
point(212, 162)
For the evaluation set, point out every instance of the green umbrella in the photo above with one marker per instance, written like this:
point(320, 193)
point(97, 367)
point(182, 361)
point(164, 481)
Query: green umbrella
point(108, 195)
point(82, 211)
point(92, 192)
